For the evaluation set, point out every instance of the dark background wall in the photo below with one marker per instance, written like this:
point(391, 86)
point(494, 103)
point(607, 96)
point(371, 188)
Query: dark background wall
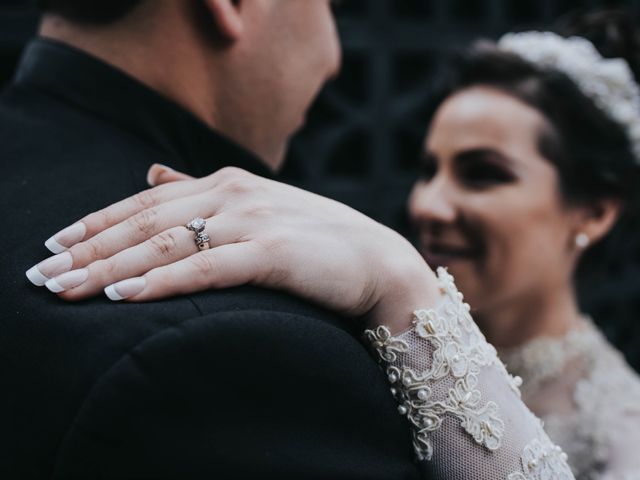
point(364, 132)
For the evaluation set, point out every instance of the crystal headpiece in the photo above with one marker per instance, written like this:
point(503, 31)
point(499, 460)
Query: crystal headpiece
point(608, 82)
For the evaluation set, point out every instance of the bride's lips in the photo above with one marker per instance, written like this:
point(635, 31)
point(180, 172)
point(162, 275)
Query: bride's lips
point(442, 254)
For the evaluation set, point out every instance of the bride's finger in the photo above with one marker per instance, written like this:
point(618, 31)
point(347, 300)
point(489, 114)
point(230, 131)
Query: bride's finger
point(165, 248)
point(221, 267)
point(128, 233)
point(141, 226)
point(160, 174)
point(96, 222)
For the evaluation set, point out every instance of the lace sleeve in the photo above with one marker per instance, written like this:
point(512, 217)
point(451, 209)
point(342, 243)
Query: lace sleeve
point(465, 411)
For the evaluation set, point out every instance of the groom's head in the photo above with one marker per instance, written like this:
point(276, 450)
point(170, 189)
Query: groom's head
point(250, 68)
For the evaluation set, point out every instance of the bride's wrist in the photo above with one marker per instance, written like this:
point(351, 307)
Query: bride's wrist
point(408, 290)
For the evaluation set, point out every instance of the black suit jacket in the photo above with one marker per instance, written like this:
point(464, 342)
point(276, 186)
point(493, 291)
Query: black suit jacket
point(241, 383)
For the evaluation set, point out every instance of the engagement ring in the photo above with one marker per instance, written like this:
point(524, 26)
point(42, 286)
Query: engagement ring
point(197, 226)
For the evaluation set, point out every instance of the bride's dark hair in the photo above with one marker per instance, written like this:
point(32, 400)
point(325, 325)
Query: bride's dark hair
point(592, 153)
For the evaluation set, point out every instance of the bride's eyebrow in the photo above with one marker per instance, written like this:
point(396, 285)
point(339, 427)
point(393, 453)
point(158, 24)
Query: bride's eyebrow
point(491, 155)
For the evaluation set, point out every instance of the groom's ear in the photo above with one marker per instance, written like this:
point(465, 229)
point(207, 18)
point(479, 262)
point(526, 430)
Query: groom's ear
point(226, 15)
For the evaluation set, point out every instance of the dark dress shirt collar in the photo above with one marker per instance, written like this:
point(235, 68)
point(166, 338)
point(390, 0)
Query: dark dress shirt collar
point(93, 86)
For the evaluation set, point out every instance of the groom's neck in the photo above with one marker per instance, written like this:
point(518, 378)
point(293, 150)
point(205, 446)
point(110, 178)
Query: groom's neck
point(161, 50)
point(135, 46)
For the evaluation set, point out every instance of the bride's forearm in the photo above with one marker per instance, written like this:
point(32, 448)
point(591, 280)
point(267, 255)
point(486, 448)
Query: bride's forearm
point(458, 397)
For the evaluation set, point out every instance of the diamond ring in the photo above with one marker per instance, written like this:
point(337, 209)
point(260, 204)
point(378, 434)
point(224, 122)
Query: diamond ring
point(197, 226)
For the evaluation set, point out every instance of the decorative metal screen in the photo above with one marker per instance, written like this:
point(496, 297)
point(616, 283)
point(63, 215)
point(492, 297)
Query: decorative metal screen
point(364, 132)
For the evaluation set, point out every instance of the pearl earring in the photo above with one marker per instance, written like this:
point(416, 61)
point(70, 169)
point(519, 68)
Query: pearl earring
point(582, 240)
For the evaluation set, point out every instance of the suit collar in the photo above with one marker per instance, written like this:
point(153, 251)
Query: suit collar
point(87, 83)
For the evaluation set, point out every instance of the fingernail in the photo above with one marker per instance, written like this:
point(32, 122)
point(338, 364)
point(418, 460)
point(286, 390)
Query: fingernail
point(155, 171)
point(49, 268)
point(67, 280)
point(66, 238)
point(125, 289)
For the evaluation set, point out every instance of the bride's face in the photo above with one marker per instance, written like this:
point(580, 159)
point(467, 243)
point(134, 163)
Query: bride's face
point(488, 205)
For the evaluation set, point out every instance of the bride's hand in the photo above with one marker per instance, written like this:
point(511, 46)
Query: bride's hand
point(262, 232)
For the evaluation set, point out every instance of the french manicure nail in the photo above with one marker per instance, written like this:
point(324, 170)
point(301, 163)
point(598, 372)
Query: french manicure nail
point(49, 268)
point(66, 238)
point(155, 171)
point(67, 280)
point(125, 289)
point(35, 276)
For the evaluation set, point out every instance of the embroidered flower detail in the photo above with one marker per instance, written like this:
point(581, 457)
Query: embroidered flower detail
point(457, 359)
point(542, 460)
point(436, 369)
point(480, 421)
point(385, 344)
point(427, 323)
point(458, 352)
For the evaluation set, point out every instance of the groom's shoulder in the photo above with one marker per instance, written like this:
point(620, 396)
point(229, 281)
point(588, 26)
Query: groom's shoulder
point(266, 302)
point(75, 343)
point(243, 316)
point(56, 355)
point(251, 363)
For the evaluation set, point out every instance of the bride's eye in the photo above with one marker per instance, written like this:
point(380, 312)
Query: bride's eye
point(428, 167)
point(481, 169)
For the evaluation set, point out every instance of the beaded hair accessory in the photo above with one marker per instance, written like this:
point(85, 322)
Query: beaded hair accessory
point(608, 82)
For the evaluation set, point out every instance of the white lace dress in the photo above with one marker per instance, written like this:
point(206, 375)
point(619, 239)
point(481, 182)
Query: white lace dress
point(467, 418)
point(588, 398)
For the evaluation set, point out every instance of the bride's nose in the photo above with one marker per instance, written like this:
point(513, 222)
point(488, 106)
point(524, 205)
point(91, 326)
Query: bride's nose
point(432, 202)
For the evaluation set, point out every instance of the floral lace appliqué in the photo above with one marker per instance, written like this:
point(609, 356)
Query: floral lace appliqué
point(446, 383)
point(542, 460)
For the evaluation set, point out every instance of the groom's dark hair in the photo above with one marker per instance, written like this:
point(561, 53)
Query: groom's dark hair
point(92, 12)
